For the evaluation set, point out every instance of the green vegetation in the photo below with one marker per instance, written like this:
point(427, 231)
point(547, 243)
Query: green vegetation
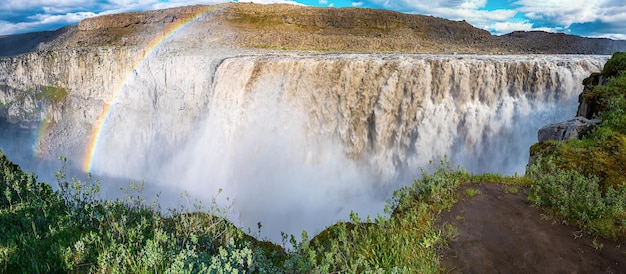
point(471, 192)
point(511, 189)
point(52, 94)
point(615, 65)
point(584, 180)
point(74, 230)
point(494, 178)
point(602, 153)
point(405, 242)
point(579, 199)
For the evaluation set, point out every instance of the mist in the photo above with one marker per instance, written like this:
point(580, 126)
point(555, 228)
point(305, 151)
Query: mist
point(298, 142)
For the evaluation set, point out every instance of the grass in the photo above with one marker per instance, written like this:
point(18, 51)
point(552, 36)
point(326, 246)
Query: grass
point(51, 94)
point(578, 199)
point(82, 233)
point(406, 241)
point(511, 189)
point(471, 192)
point(515, 180)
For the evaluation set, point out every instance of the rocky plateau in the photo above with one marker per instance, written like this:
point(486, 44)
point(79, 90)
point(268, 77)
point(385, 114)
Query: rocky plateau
point(304, 28)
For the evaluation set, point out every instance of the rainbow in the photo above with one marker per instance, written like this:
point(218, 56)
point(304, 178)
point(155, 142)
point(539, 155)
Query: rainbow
point(98, 127)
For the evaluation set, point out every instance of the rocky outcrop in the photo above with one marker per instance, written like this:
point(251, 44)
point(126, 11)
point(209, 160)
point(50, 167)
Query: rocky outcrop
point(350, 29)
point(34, 41)
point(574, 128)
point(29, 107)
point(71, 89)
point(124, 20)
point(588, 108)
point(555, 43)
point(570, 129)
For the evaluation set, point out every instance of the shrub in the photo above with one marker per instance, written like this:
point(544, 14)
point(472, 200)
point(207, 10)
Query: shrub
point(404, 242)
point(74, 230)
point(616, 63)
point(578, 198)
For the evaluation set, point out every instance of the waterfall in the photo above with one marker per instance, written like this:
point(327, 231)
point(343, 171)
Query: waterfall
point(303, 140)
point(297, 141)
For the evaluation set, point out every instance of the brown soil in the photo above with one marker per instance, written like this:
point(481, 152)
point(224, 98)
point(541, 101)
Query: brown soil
point(500, 232)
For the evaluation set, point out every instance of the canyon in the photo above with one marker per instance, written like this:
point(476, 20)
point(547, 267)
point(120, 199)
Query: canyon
point(187, 102)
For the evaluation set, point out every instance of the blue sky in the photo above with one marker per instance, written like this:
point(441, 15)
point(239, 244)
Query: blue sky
point(599, 18)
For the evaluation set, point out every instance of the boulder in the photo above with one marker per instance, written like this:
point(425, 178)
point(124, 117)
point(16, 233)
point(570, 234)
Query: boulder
point(569, 129)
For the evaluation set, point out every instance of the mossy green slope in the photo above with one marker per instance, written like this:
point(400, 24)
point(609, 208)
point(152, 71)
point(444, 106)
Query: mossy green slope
point(584, 180)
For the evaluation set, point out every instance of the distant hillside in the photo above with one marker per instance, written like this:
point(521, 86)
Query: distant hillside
point(304, 28)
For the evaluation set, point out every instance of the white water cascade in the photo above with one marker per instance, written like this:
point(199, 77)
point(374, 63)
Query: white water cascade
point(298, 141)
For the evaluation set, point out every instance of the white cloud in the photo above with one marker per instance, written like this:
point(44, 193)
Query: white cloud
point(602, 18)
point(508, 27)
point(547, 15)
point(483, 19)
point(567, 12)
point(43, 21)
point(35, 15)
point(357, 4)
point(66, 18)
point(499, 28)
point(428, 7)
point(615, 36)
point(473, 4)
point(270, 2)
point(8, 28)
point(470, 10)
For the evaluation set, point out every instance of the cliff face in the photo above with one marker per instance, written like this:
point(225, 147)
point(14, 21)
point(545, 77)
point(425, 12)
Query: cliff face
point(597, 151)
point(106, 73)
point(71, 88)
point(387, 110)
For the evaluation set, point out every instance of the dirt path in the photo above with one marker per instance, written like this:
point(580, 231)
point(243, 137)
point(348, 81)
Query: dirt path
point(500, 232)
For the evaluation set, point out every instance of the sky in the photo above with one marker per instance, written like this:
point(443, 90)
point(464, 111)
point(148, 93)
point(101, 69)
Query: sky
point(590, 18)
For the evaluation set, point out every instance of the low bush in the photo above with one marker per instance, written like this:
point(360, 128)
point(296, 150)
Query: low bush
point(74, 230)
point(579, 199)
point(615, 64)
point(403, 242)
